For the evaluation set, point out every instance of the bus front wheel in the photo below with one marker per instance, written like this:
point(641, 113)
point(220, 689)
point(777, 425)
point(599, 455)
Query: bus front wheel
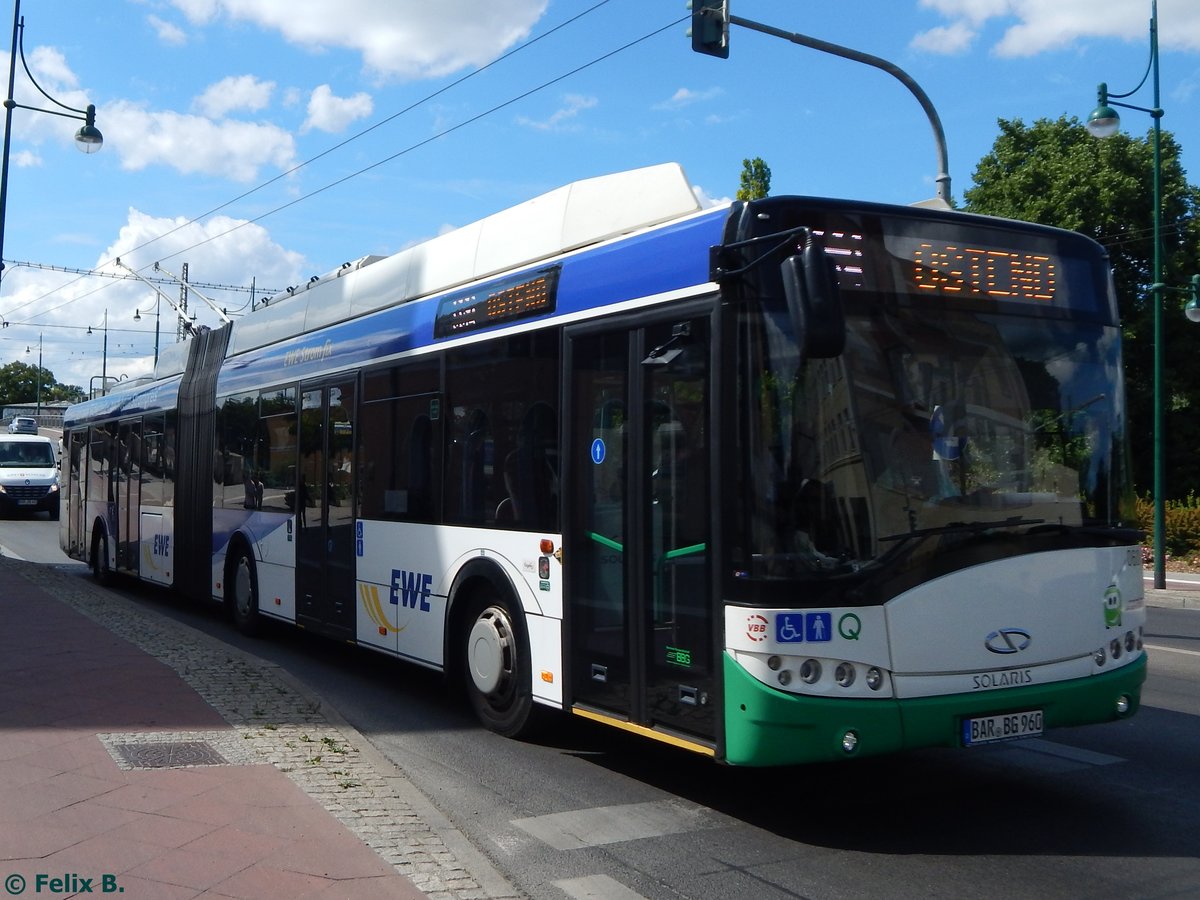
point(241, 592)
point(496, 659)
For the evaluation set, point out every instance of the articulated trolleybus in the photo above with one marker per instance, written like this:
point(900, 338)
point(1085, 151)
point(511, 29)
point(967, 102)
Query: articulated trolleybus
point(781, 481)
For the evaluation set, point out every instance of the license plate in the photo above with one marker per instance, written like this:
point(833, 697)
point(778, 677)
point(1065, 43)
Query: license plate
point(1007, 727)
point(26, 503)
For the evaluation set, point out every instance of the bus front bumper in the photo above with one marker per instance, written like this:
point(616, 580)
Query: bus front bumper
point(768, 727)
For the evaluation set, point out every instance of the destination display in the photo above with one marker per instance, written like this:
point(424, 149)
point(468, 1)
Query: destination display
point(970, 270)
point(923, 265)
point(530, 294)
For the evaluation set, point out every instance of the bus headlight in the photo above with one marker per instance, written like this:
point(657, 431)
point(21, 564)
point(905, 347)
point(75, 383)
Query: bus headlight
point(810, 671)
point(1114, 648)
point(844, 674)
point(874, 678)
point(849, 742)
point(1100, 656)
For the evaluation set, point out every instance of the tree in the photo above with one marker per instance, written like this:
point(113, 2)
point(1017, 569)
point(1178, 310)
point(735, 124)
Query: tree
point(756, 180)
point(1056, 173)
point(19, 384)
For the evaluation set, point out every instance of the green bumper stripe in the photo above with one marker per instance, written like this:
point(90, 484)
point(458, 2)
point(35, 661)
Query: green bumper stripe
point(767, 727)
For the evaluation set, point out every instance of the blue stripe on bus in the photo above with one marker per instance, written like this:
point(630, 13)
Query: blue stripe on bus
point(663, 259)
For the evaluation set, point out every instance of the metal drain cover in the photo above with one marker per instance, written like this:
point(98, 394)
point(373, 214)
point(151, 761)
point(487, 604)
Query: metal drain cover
point(170, 755)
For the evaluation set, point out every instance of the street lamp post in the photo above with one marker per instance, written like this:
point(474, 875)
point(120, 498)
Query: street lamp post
point(88, 138)
point(137, 317)
point(104, 362)
point(1104, 122)
point(39, 378)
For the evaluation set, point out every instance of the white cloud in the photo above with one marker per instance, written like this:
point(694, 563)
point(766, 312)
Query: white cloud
point(195, 145)
point(686, 97)
point(237, 92)
point(954, 38)
point(396, 40)
point(1035, 26)
point(573, 105)
point(706, 200)
point(327, 112)
point(220, 250)
point(24, 159)
point(168, 32)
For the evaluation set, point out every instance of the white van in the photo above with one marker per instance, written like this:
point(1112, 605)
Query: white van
point(28, 474)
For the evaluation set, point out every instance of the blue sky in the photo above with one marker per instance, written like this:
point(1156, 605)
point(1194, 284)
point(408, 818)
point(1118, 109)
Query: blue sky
point(266, 141)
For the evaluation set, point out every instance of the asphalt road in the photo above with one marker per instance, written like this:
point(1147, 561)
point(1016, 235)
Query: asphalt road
point(1104, 812)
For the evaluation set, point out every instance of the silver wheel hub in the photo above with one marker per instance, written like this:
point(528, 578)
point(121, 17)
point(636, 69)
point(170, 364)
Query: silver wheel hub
point(490, 649)
point(241, 587)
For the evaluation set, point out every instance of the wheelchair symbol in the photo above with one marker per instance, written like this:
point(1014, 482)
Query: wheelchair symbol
point(788, 631)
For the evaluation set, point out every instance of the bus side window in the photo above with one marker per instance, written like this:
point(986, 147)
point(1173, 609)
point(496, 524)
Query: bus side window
point(531, 472)
point(420, 470)
point(477, 466)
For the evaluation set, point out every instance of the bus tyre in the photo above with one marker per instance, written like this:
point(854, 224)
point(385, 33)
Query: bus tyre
point(496, 659)
point(241, 592)
point(99, 558)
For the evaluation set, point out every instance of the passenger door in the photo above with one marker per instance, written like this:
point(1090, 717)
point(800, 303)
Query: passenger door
point(324, 506)
point(637, 546)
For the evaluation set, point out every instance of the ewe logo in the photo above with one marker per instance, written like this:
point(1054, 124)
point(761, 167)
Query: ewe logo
point(411, 589)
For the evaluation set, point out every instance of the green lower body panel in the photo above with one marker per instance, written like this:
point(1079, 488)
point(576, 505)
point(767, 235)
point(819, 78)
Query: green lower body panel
point(768, 727)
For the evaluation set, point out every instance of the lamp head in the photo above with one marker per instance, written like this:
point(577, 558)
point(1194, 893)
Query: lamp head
point(1103, 121)
point(1192, 308)
point(88, 138)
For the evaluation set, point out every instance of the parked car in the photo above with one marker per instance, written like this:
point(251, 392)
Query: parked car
point(28, 475)
point(23, 425)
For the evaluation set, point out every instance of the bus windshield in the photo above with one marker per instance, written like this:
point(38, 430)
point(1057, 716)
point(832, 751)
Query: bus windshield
point(949, 421)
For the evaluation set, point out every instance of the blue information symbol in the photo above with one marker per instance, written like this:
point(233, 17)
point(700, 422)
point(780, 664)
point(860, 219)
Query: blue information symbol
point(797, 628)
point(598, 451)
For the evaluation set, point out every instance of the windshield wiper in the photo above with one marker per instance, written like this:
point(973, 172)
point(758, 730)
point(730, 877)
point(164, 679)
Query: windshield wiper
point(961, 528)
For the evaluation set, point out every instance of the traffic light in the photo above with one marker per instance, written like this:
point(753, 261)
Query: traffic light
point(710, 27)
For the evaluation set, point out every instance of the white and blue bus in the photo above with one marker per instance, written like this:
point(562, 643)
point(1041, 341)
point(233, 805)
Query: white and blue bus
point(780, 481)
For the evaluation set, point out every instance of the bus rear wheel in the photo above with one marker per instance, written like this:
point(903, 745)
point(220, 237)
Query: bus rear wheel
point(496, 659)
point(99, 558)
point(241, 593)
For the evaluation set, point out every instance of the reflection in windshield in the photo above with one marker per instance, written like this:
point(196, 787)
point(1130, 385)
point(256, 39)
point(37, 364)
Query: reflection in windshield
point(930, 422)
point(26, 454)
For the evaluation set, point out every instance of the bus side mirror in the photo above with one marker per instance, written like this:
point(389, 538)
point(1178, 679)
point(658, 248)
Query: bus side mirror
point(810, 285)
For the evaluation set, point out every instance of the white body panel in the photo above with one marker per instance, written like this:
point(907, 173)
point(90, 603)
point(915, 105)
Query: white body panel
point(157, 538)
point(1035, 619)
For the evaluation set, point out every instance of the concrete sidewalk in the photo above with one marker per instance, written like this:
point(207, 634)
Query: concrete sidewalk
point(139, 756)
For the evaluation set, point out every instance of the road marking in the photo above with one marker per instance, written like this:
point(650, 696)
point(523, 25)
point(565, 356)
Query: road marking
point(596, 887)
point(1046, 757)
point(1158, 648)
point(612, 824)
point(1063, 751)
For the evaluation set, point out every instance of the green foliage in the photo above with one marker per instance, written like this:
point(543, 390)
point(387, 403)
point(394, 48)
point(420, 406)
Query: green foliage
point(1056, 173)
point(1181, 536)
point(755, 181)
point(19, 384)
